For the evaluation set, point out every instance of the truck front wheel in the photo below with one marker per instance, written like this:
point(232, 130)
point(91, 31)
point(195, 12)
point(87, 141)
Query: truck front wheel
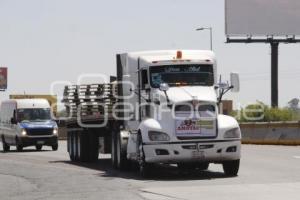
point(122, 162)
point(145, 169)
point(231, 168)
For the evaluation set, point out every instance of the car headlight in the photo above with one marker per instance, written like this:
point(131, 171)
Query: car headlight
point(158, 136)
point(23, 132)
point(233, 133)
point(55, 131)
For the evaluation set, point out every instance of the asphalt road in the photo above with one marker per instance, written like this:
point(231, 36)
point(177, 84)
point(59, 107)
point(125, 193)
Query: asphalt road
point(267, 172)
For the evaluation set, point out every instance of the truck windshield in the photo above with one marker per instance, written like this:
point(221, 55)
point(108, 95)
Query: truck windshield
point(182, 75)
point(33, 114)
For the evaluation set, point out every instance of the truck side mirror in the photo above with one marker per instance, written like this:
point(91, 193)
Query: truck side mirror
point(164, 87)
point(235, 82)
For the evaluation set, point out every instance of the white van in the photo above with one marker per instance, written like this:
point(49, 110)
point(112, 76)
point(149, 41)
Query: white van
point(27, 122)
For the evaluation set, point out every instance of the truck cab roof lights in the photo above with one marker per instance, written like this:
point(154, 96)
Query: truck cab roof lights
point(169, 61)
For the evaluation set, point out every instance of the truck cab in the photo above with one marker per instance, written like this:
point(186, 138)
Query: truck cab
point(171, 100)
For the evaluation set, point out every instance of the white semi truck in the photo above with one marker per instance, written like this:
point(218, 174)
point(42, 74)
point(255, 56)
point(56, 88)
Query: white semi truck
point(163, 108)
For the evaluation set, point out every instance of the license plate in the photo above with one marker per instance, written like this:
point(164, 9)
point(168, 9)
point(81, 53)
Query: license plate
point(198, 154)
point(40, 142)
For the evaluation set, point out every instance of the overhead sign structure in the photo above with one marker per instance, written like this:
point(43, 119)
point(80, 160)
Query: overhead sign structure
point(264, 21)
point(3, 78)
point(262, 17)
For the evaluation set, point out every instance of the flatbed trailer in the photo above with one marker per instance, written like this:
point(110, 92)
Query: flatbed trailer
point(89, 129)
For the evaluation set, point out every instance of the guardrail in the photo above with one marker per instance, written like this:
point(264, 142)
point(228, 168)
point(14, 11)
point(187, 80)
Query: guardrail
point(273, 133)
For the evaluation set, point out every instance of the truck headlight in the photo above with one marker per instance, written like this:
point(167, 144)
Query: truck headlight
point(23, 132)
point(158, 136)
point(55, 131)
point(233, 133)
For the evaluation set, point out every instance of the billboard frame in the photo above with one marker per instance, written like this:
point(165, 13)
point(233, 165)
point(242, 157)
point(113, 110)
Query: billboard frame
point(274, 42)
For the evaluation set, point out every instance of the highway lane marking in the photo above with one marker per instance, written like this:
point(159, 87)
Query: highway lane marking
point(297, 157)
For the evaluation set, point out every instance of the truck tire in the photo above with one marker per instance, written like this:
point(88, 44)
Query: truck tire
point(93, 147)
point(145, 169)
point(83, 153)
point(122, 162)
point(231, 168)
point(87, 146)
point(76, 145)
point(5, 146)
point(113, 150)
point(71, 146)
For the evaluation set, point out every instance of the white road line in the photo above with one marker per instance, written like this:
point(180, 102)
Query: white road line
point(297, 157)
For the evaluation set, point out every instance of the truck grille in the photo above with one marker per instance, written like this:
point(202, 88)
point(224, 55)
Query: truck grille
point(39, 132)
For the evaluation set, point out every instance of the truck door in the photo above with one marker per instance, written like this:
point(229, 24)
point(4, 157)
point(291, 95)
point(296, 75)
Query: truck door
point(145, 94)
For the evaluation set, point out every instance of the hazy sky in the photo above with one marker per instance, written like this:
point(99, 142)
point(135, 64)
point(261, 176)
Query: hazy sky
point(42, 41)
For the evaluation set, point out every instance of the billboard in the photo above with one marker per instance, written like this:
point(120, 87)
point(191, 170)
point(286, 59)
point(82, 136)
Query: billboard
point(3, 78)
point(262, 17)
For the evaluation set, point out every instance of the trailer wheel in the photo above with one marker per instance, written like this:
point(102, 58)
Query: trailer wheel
point(84, 148)
point(231, 168)
point(5, 146)
point(113, 150)
point(87, 146)
point(71, 146)
point(76, 145)
point(93, 145)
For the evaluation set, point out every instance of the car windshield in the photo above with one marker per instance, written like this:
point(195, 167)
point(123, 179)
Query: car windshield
point(182, 75)
point(34, 114)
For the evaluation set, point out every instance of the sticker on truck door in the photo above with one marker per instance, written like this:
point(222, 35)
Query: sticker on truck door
point(195, 128)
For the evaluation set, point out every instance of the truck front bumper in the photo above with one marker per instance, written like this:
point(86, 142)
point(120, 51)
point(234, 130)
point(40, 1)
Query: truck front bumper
point(200, 151)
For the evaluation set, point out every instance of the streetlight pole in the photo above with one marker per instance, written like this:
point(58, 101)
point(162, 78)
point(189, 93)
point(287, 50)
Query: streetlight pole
point(211, 34)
